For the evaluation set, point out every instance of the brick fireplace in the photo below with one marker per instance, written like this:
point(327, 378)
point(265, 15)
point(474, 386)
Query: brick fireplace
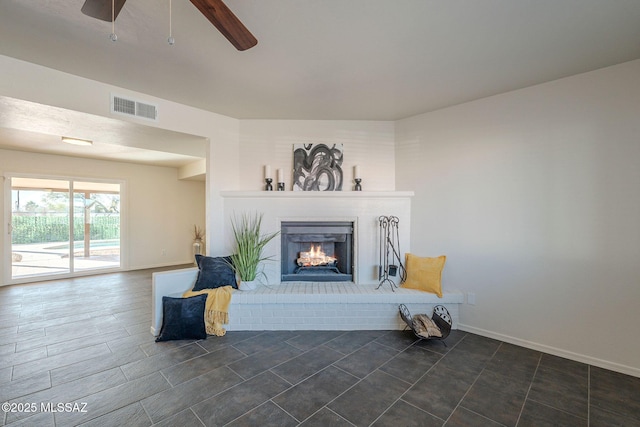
point(314, 305)
point(360, 209)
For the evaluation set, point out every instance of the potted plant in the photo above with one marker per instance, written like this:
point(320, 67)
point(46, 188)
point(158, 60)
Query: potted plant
point(250, 243)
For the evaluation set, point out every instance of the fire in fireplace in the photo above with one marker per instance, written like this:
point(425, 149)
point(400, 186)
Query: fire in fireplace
point(317, 251)
point(316, 257)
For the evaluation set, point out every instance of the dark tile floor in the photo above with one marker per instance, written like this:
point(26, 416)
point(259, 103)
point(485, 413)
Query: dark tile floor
point(86, 342)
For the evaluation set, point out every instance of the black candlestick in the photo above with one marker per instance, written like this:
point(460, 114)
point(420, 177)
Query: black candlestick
point(281, 186)
point(268, 187)
point(358, 187)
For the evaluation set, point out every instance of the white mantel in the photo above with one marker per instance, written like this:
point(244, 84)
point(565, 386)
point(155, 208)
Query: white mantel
point(318, 194)
point(362, 207)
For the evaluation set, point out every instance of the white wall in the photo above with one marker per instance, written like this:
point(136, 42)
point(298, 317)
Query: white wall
point(160, 210)
point(534, 195)
point(368, 144)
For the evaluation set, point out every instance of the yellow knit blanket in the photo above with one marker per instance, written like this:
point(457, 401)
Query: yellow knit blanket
point(216, 308)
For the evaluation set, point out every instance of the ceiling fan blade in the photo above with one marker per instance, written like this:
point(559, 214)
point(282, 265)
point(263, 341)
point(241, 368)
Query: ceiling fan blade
point(101, 9)
point(226, 22)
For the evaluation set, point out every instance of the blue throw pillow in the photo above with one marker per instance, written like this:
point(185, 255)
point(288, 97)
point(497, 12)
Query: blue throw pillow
point(183, 318)
point(214, 273)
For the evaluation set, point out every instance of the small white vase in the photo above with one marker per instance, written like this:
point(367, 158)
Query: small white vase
point(197, 248)
point(247, 285)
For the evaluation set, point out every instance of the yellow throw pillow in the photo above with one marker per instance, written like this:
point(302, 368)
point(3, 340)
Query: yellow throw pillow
point(424, 274)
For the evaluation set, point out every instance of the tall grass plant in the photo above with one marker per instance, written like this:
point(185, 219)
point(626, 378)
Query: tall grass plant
point(250, 243)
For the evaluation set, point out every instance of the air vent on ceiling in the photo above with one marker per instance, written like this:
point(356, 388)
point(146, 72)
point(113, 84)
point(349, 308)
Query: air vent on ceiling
point(131, 107)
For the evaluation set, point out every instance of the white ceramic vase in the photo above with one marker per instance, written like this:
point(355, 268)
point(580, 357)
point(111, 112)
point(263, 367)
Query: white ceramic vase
point(197, 248)
point(247, 285)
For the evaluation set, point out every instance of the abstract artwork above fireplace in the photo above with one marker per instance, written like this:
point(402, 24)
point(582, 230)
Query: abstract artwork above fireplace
point(317, 167)
point(317, 251)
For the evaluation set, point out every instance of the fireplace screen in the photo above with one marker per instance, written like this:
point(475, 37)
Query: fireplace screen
point(318, 251)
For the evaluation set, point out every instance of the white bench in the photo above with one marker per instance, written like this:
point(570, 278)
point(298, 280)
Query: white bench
point(309, 306)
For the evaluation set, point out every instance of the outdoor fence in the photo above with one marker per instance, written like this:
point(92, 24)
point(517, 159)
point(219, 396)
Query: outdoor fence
point(39, 228)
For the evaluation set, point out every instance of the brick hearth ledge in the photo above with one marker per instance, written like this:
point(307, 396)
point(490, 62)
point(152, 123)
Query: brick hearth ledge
point(309, 305)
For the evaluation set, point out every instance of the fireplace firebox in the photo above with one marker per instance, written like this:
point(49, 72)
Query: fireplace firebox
point(317, 251)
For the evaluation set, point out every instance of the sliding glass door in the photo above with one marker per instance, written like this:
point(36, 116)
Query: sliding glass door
point(63, 226)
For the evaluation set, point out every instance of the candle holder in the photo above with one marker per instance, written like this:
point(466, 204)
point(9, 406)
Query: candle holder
point(268, 186)
point(358, 187)
point(281, 186)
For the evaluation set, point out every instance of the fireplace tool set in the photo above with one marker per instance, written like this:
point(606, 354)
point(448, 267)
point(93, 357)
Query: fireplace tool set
point(390, 263)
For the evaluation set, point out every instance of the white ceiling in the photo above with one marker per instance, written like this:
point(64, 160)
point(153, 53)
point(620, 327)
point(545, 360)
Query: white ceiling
point(328, 59)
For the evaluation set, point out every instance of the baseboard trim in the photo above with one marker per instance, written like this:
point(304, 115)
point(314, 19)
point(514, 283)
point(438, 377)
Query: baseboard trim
point(176, 264)
point(605, 364)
